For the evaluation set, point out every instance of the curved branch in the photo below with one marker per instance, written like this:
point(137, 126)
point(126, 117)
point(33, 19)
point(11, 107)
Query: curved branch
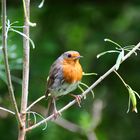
point(88, 90)
point(36, 101)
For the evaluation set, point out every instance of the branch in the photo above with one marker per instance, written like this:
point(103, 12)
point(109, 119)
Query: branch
point(36, 101)
point(7, 110)
point(91, 136)
point(97, 109)
point(26, 15)
point(68, 125)
point(88, 90)
point(26, 54)
point(7, 69)
point(25, 82)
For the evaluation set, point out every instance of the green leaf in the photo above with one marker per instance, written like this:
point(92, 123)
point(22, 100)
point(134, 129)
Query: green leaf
point(119, 59)
point(35, 114)
point(128, 105)
point(132, 98)
point(111, 41)
point(31, 41)
point(137, 94)
point(88, 74)
point(103, 53)
point(41, 4)
point(85, 85)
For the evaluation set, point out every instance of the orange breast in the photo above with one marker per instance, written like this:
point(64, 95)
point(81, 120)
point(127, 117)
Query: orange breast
point(72, 72)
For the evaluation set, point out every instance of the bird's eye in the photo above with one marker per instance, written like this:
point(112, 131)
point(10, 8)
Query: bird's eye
point(69, 55)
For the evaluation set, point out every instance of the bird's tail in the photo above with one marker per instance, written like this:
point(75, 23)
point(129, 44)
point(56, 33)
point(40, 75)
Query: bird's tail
point(50, 108)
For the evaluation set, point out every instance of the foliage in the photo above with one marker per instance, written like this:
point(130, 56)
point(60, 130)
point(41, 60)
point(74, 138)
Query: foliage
point(15, 63)
point(79, 26)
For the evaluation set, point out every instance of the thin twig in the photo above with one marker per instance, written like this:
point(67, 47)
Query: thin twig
point(120, 78)
point(26, 15)
point(7, 110)
point(88, 90)
point(36, 101)
point(7, 69)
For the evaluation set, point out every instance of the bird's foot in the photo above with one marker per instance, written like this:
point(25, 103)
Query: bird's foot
point(78, 99)
point(56, 114)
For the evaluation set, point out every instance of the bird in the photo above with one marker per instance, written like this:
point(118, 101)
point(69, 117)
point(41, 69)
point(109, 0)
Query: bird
point(64, 77)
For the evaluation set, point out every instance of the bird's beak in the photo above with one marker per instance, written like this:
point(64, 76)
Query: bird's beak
point(78, 57)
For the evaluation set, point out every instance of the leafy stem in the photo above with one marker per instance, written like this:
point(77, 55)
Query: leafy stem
point(132, 94)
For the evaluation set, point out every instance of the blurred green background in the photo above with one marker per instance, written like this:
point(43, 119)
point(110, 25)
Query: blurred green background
point(78, 25)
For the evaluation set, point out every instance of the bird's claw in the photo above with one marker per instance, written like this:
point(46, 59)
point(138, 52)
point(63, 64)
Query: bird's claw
point(56, 114)
point(78, 99)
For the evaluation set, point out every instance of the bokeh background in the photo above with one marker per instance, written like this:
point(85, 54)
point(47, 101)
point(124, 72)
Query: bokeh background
point(78, 25)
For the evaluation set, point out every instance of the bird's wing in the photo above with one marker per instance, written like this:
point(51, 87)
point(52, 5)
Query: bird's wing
point(55, 77)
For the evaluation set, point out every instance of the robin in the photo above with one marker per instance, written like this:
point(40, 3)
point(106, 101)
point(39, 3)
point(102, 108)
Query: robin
point(64, 77)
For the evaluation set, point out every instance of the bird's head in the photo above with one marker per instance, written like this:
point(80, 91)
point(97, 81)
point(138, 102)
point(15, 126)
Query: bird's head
point(71, 56)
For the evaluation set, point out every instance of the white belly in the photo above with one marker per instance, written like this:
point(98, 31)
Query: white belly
point(64, 89)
